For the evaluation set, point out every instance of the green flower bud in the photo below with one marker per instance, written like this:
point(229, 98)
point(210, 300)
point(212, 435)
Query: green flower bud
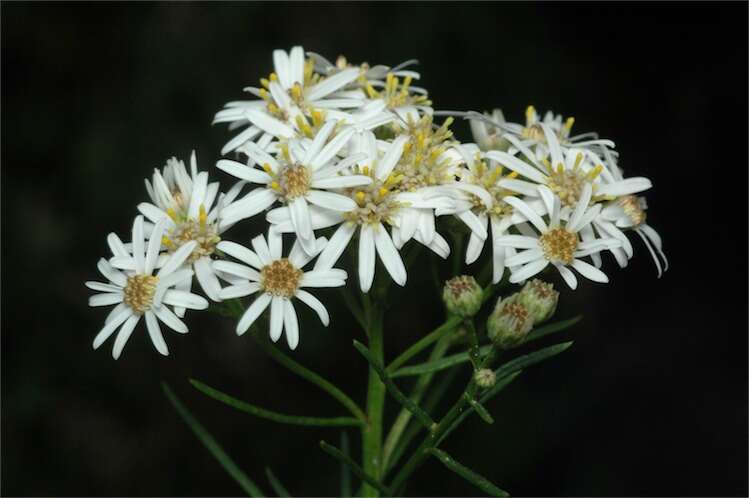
point(462, 296)
point(509, 323)
point(540, 298)
point(485, 378)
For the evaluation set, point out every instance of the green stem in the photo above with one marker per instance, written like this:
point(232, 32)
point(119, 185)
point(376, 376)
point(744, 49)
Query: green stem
point(372, 432)
point(434, 436)
point(447, 327)
point(404, 417)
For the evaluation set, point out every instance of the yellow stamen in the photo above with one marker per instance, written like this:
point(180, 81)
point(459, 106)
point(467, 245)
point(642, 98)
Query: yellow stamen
point(275, 186)
point(202, 216)
point(267, 168)
point(530, 115)
point(360, 197)
point(170, 212)
point(592, 174)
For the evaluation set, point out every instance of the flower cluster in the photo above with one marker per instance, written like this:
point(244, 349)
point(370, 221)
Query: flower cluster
point(357, 149)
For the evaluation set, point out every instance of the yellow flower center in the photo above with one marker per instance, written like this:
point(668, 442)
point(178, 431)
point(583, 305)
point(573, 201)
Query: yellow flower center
point(280, 278)
point(139, 292)
point(632, 208)
point(423, 162)
point(293, 181)
point(559, 245)
point(187, 229)
point(375, 202)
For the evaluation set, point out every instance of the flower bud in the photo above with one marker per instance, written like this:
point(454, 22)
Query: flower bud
point(462, 296)
point(509, 323)
point(485, 378)
point(540, 299)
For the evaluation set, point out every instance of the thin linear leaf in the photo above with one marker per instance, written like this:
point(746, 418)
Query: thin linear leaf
point(521, 362)
point(477, 480)
point(271, 415)
point(345, 459)
point(312, 377)
point(482, 412)
point(345, 471)
point(501, 384)
point(275, 483)
point(212, 445)
point(396, 393)
point(437, 365)
point(550, 328)
point(447, 327)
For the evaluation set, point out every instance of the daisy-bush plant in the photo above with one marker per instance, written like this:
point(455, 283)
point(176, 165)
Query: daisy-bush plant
point(350, 167)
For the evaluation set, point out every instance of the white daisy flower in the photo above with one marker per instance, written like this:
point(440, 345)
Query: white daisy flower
point(399, 97)
point(376, 204)
point(565, 175)
point(556, 244)
point(302, 174)
point(289, 98)
point(278, 280)
point(191, 209)
point(138, 292)
point(479, 204)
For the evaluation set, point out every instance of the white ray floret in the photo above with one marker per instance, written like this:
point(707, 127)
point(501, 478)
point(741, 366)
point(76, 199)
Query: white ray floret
point(276, 279)
point(191, 209)
point(303, 174)
point(557, 243)
point(138, 292)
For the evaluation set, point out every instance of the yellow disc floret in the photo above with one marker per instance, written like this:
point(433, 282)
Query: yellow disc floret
point(280, 278)
point(559, 245)
point(139, 291)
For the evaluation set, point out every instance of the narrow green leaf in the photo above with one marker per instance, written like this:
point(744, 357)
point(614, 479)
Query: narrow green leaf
point(345, 471)
point(394, 391)
point(311, 376)
point(212, 445)
point(482, 412)
point(447, 327)
point(550, 328)
point(501, 384)
point(529, 359)
point(345, 459)
point(480, 482)
point(275, 483)
point(271, 415)
point(437, 365)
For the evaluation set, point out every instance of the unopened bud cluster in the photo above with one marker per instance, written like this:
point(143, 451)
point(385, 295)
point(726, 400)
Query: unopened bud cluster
point(462, 296)
point(514, 317)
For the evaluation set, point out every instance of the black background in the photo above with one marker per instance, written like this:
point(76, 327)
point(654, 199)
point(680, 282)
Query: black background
point(650, 400)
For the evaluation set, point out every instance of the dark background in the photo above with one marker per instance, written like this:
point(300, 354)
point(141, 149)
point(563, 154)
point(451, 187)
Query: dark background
point(650, 400)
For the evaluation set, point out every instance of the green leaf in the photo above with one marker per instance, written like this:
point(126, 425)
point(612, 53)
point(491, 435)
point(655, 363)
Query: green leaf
point(271, 415)
point(521, 362)
point(345, 471)
point(394, 391)
point(275, 483)
point(550, 328)
point(483, 412)
point(447, 327)
point(210, 443)
point(437, 365)
point(480, 482)
point(311, 376)
point(345, 459)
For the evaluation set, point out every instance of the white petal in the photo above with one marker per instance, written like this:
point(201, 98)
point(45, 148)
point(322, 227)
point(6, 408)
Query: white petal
point(332, 148)
point(170, 319)
point(207, 278)
point(528, 212)
point(197, 198)
point(243, 172)
point(524, 257)
point(154, 246)
point(580, 208)
point(299, 257)
point(332, 83)
point(366, 258)
point(184, 299)
point(116, 246)
point(177, 258)
point(589, 271)
point(105, 299)
point(154, 331)
point(302, 222)
point(315, 304)
point(248, 206)
point(330, 200)
point(123, 335)
point(553, 143)
point(517, 165)
point(247, 134)
point(239, 290)
point(276, 317)
point(108, 271)
point(112, 325)
point(335, 247)
point(260, 156)
point(474, 223)
point(627, 186)
point(138, 249)
point(102, 287)
point(296, 65)
point(240, 252)
point(385, 165)
point(475, 246)
point(389, 255)
point(520, 186)
point(262, 249)
point(283, 67)
point(528, 270)
point(342, 181)
point(171, 280)
point(269, 124)
point(291, 324)
point(568, 276)
point(319, 141)
point(517, 241)
point(254, 311)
